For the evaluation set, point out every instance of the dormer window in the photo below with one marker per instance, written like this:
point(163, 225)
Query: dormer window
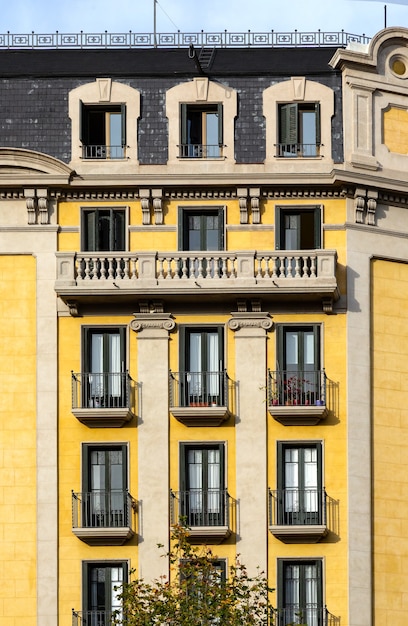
point(103, 131)
point(299, 130)
point(201, 131)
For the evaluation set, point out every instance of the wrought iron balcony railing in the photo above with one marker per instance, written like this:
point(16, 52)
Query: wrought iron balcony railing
point(296, 388)
point(103, 152)
point(104, 517)
point(310, 615)
point(200, 151)
point(298, 150)
point(102, 509)
point(302, 507)
point(96, 618)
point(99, 397)
point(209, 514)
point(201, 398)
point(221, 39)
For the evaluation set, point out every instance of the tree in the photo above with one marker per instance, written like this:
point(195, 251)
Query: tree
point(195, 594)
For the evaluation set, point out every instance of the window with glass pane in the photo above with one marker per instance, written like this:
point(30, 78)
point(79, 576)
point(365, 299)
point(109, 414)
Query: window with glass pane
point(103, 131)
point(300, 484)
point(299, 363)
point(299, 130)
point(298, 228)
point(104, 374)
point(202, 365)
point(300, 593)
point(103, 230)
point(202, 495)
point(105, 486)
point(201, 131)
point(102, 582)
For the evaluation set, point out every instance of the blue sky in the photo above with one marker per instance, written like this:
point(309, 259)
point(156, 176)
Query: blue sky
point(92, 16)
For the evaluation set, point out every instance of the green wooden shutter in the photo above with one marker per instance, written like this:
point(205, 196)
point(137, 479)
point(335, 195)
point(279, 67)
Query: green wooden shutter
point(317, 228)
point(183, 124)
point(83, 123)
point(317, 113)
point(220, 125)
point(278, 228)
point(288, 123)
point(221, 228)
point(123, 124)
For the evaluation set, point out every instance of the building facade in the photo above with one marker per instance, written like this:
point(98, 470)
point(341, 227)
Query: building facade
point(203, 254)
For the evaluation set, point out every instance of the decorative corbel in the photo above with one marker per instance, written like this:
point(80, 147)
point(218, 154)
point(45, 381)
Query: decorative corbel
point(73, 308)
point(242, 193)
point(372, 197)
point(254, 194)
point(145, 203)
point(157, 195)
point(31, 205)
point(42, 201)
point(359, 205)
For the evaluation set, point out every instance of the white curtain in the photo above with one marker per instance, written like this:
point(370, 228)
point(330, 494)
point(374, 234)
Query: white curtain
point(291, 480)
point(195, 480)
point(214, 481)
point(311, 595)
point(96, 377)
point(310, 471)
point(114, 364)
point(195, 365)
point(213, 364)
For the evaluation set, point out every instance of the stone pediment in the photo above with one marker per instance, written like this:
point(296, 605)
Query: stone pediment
point(17, 162)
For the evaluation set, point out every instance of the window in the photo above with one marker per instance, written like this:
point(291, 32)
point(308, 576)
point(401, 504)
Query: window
point(103, 230)
point(101, 589)
point(202, 493)
point(300, 593)
point(104, 485)
point(299, 130)
point(103, 131)
point(105, 380)
point(300, 378)
point(201, 229)
point(201, 131)
point(298, 228)
point(300, 494)
point(202, 373)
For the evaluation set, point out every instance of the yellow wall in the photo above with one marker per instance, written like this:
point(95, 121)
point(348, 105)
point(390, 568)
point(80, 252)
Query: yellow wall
point(390, 441)
point(395, 130)
point(332, 432)
point(18, 441)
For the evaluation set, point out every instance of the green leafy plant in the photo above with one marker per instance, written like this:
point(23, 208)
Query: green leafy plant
point(194, 594)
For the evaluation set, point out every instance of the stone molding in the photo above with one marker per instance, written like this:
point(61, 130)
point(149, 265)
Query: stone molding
point(250, 320)
point(160, 321)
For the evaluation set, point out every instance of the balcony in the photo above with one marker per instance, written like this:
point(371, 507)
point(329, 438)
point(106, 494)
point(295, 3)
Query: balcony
point(298, 150)
point(302, 515)
point(95, 618)
point(103, 152)
point(104, 518)
point(200, 151)
point(104, 400)
point(297, 398)
point(201, 398)
point(279, 275)
point(310, 615)
point(209, 514)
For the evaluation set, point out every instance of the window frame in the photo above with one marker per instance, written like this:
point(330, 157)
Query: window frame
point(298, 509)
point(281, 595)
point(185, 488)
point(282, 211)
point(200, 149)
point(291, 130)
point(184, 213)
point(103, 151)
point(115, 212)
point(86, 579)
